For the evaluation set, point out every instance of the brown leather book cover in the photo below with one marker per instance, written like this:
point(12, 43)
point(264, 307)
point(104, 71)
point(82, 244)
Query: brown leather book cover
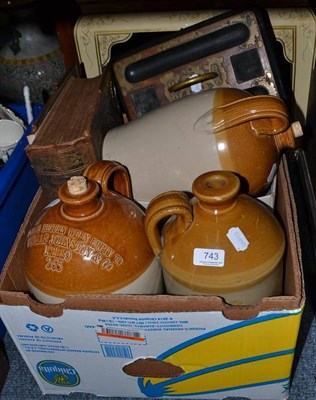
point(70, 135)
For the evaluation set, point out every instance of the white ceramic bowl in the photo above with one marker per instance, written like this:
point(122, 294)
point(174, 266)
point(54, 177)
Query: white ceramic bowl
point(10, 133)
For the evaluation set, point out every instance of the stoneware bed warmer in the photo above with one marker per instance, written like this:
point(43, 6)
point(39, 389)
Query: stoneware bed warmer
point(218, 129)
point(221, 242)
point(91, 240)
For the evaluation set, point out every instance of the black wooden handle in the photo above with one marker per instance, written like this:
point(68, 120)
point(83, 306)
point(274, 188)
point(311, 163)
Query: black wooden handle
point(211, 43)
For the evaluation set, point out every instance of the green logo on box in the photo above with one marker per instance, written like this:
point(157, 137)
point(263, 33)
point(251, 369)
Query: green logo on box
point(58, 373)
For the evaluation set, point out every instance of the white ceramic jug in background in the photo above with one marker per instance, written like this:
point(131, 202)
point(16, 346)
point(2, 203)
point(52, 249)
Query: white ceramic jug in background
point(221, 129)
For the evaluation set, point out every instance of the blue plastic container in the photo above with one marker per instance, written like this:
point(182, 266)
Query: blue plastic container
point(18, 185)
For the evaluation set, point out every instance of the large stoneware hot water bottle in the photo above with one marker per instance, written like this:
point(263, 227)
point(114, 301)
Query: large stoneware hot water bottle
point(221, 129)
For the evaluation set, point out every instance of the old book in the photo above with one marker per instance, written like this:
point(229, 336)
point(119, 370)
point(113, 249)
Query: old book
point(69, 135)
point(77, 72)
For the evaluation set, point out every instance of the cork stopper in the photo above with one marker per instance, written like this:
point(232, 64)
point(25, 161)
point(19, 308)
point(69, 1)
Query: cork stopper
point(286, 140)
point(297, 129)
point(77, 185)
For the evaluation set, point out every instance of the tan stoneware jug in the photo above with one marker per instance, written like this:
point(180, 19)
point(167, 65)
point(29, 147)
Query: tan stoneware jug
point(219, 129)
point(220, 242)
point(91, 241)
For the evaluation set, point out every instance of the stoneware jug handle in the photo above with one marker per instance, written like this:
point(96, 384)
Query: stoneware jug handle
point(111, 176)
point(267, 114)
point(165, 205)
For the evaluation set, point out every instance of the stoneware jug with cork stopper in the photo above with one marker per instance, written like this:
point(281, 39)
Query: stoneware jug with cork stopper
point(221, 242)
point(91, 241)
point(218, 129)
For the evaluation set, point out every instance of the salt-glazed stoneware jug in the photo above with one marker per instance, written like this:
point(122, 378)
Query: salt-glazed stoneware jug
point(221, 242)
point(91, 241)
point(220, 129)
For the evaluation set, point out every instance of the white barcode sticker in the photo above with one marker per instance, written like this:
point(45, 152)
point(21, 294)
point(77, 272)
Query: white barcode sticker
point(238, 239)
point(117, 351)
point(209, 257)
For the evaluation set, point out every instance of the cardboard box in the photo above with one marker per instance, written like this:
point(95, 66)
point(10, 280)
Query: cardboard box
point(159, 346)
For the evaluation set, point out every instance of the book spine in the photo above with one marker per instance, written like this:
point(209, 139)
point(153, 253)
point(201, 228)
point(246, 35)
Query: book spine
point(71, 134)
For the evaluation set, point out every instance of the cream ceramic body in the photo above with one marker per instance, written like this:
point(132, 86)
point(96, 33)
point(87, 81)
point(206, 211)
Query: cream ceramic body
point(150, 282)
point(270, 286)
point(224, 129)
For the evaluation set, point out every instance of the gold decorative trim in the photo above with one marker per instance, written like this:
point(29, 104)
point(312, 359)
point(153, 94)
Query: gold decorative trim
point(33, 60)
point(105, 43)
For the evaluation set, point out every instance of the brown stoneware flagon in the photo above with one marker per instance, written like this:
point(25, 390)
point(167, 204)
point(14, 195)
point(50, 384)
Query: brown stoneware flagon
point(91, 241)
point(221, 242)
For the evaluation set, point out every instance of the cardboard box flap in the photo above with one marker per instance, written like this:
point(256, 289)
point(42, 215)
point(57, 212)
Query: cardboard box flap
point(293, 284)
